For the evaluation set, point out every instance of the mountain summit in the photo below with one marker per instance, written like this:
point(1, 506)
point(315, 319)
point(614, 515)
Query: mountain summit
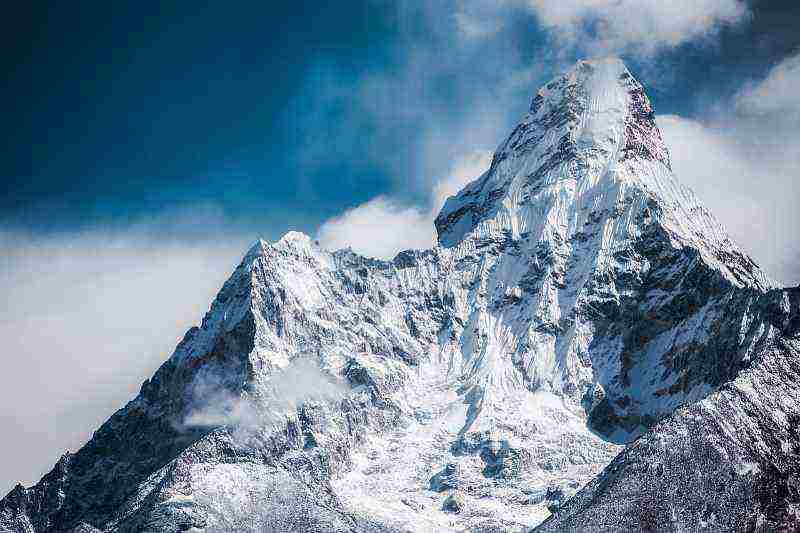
point(585, 346)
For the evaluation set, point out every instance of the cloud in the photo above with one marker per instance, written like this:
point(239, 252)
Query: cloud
point(87, 317)
point(743, 160)
point(465, 170)
point(381, 227)
point(403, 122)
point(378, 228)
point(776, 94)
point(635, 26)
point(752, 192)
point(287, 389)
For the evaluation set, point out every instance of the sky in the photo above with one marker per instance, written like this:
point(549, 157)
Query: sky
point(147, 146)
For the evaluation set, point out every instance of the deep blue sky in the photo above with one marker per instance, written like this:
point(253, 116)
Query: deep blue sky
point(114, 111)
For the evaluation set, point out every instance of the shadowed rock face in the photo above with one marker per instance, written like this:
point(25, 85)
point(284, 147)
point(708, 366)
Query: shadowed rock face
point(579, 297)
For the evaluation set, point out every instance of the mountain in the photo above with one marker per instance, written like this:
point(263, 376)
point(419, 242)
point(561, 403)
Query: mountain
point(584, 341)
point(730, 462)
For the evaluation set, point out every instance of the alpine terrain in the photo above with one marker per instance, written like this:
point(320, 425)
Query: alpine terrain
point(585, 349)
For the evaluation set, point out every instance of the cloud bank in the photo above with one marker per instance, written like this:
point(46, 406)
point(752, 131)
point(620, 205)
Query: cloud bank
point(87, 317)
point(743, 160)
point(635, 26)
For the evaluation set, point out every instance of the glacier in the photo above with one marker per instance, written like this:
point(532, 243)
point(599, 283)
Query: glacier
point(584, 349)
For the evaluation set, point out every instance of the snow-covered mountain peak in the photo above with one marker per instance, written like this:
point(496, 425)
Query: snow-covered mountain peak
point(256, 249)
point(587, 131)
point(579, 207)
point(290, 242)
point(602, 104)
point(578, 295)
point(296, 240)
point(594, 78)
point(588, 153)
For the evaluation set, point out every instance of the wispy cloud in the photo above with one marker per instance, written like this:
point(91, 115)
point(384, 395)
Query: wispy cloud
point(378, 228)
point(88, 316)
point(477, 24)
point(214, 404)
point(413, 118)
point(465, 170)
point(743, 159)
point(638, 27)
point(775, 95)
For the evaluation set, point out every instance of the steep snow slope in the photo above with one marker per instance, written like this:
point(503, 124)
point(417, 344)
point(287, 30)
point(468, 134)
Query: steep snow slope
point(578, 295)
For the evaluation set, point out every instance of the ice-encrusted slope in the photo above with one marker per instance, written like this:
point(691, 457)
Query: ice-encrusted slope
point(578, 295)
point(605, 275)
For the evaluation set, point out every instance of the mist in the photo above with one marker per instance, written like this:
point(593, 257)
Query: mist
point(87, 318)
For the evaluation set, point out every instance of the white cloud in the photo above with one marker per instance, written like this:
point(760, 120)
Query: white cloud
point(464, 171)
point(635, 26)
point(778, 93)
point(753, 192)
point(86, 318)
point(381, 227)
point(744, 161)
point(301, 381)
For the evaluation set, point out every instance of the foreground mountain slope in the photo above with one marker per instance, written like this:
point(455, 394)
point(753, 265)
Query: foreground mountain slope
point(577, 296)
point(730, 462)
